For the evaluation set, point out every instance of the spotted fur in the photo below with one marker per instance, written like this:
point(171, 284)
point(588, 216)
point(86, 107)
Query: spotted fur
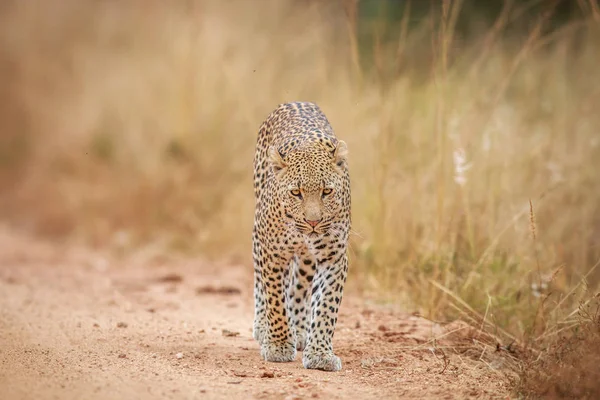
point(301, 228)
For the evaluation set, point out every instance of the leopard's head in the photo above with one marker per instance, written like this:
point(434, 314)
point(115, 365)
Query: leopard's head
point(311, 182)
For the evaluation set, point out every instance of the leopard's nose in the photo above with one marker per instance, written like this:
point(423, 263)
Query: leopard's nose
point(313, 223)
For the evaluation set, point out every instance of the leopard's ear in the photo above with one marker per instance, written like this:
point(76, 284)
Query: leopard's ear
point(340, 154)
point(276, 160)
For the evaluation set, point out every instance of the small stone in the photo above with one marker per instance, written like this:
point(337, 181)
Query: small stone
point(179, 356)
point(122, 325)
point(228, 333)
point(170, 278)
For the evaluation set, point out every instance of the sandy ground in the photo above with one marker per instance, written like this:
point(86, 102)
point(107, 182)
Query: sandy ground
point(78, 324)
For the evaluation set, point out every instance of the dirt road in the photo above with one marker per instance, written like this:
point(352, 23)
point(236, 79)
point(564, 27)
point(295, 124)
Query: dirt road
point(76, 324)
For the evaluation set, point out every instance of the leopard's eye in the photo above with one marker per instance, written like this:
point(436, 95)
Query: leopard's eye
point(296, 192)
point(327, 191)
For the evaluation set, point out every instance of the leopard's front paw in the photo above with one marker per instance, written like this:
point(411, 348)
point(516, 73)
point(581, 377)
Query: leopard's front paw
point(326, 361)
point(280, 351)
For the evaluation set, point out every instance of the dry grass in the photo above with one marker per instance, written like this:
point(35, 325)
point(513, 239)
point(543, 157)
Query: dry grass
point(135, 124)
point(568, 368)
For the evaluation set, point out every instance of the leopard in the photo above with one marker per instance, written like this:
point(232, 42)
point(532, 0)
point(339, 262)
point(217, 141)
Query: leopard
point(302, 222)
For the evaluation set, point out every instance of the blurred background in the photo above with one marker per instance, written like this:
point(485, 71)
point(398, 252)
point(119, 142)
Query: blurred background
point(473, 131)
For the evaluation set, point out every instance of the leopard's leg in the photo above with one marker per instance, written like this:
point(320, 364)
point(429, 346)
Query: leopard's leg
point(259, 330)
point(260, 325)
point(289, 284)
point(302, 271)
point(327, 290)
point(278, 343)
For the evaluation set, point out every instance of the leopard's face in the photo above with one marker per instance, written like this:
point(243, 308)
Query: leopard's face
point(310, 184)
